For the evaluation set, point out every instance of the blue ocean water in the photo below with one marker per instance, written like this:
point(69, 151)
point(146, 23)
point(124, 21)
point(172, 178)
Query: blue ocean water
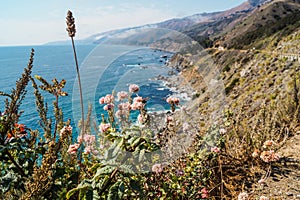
point(103, 69)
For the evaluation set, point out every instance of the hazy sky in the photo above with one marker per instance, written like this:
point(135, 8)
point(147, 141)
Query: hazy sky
point(36, 21)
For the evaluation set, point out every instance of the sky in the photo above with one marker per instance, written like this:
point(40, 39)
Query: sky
point(35, 22)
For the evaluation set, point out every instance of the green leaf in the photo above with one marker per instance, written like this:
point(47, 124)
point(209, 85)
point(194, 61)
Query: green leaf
point(142, 155)
point(95, 195)
point(99, 183)
point(118, 148)
point(104, 170)
point(81, 187)
point(127, 169)
point(136, 142)
point(113, 193)
point(121, 190)
point(95, 166)
point(131, 140)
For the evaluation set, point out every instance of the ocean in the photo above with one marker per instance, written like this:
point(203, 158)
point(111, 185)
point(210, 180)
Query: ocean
point(103, 69)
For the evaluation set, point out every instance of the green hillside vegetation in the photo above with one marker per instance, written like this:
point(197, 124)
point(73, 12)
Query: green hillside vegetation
point(277, 17)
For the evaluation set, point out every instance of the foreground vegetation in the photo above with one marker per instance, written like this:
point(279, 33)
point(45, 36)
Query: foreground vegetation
point(119, 159)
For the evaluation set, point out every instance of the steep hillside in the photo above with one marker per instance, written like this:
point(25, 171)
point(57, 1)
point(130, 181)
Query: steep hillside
point(262, 95)
point(279, 17)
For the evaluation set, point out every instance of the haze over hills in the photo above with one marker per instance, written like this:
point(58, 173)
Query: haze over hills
point(188, 25)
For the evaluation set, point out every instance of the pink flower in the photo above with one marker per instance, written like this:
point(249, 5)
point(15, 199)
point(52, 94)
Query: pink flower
point(80, 139)
point(176, 100)
point(122, 95)
point(104, 127)
point(137, 105)
point(157, 168)
point(173, 100)
point(73, 148)
point(204, 193)
point(179, 172)
point(124, 106)
point(255, 154)
point(215, 149)
point(268, 143)
point(89, 139)
point(169, 100)
point(263, 198)
point(108, 107)
point(108, 98)
point(222, 131)
point(133, 88)
point(90, 149)
point(101, 100)
point(138, 99)
point(269, 156)
point(243, 196)
point(121, 114)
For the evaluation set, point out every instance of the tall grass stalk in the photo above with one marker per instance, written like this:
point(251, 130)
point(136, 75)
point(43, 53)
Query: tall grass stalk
point(71, 30)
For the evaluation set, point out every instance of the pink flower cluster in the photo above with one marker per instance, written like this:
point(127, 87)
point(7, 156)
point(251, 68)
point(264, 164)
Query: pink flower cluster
point(124, 109)
point(90, 149)
point(109, 98)
point(222, 131)
point(268, 144)
point(173, 100)
point(204, 193)
point(269, 156)
point(73, 148)
point(89, 141)
point(137, 103)
point(104, 127)
point(157, 168)
point(243, 196)
point(124, 106)
point(133, 88)
point(122, 95)
point(215, 149)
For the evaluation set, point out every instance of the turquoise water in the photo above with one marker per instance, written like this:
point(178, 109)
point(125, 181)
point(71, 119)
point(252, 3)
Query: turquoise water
point(103, 69)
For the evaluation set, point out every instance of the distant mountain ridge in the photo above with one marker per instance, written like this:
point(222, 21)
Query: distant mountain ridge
point(177, 24)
